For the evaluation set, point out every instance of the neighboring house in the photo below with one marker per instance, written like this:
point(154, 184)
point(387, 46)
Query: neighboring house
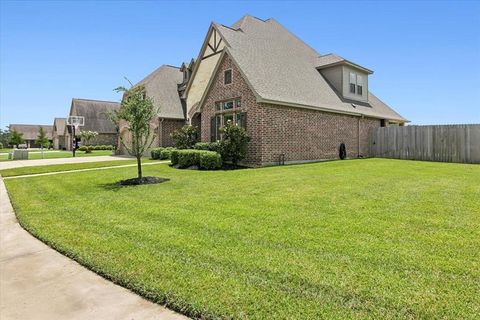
point(96, 119)
point(164, 86)
point(295, 103)
point(58, 134)
point(30, 132)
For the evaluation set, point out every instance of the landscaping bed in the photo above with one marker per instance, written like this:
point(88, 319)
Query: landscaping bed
point(356, 239)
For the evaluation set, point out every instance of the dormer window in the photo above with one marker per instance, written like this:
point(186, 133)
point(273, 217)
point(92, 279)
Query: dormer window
point(359, 84)
point(356, 83)
point(227, 76)
point(353, 82)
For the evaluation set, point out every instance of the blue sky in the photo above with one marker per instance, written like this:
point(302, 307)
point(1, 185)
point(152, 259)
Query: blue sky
point(426, 55)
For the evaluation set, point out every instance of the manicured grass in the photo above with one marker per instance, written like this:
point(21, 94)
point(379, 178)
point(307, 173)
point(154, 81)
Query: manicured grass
point(60, 154)
point(358, 239)
point(63, 167)
point(6, 150)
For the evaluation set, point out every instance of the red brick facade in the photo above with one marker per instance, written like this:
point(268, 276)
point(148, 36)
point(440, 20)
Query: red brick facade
point(300, 134)
point(165, 128)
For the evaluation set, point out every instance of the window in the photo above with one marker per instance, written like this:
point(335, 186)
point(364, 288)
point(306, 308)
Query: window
point(356, 83)
point(359, 84)
point(220, 120)
point(218, 106)
point(228, 105)
point(238, 103)
point(227, 79)
point(353, 82)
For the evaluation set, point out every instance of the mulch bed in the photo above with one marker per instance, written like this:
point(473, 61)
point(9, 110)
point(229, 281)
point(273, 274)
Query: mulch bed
point(143, 180)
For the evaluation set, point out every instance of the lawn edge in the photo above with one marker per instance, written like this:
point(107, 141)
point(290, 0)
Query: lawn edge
point(160, 298)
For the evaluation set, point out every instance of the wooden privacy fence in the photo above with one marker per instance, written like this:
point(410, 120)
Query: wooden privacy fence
point(446, 143)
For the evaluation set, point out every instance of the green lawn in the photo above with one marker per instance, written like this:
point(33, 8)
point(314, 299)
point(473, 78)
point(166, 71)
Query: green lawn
point(65, 167)
point(60, 154)
point(6, 150)
point(357, 239)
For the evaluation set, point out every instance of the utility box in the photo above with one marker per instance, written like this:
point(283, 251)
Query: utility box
point(20, 154)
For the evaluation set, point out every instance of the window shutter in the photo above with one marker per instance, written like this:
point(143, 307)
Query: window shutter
point(213, 129)
point(244, 120)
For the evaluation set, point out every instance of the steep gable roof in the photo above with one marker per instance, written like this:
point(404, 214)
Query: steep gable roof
point(59, 125)
point(280, 68)
point(30, 131)
point(162, 86)
point(95, 113)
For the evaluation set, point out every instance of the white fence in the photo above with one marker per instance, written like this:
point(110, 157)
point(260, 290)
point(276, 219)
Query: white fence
point(446, 143)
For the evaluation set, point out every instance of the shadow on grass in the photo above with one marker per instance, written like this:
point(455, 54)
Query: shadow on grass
point(115, 186)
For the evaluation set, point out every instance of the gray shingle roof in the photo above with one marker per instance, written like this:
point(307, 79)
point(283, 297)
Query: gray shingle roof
point(282, 68)
point(95, 113)
point(30, 131)
point(59, 125)
point(162, 86)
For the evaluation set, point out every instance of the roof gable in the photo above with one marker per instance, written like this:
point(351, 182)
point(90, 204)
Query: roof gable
point(95, 113)
point(30, 131)
point(281, 68)
point(162, 86)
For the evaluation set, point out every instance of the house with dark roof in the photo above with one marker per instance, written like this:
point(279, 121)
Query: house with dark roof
point(296, 104)
point(58, 133)
point(30, 132)
point(164, 86)
point(96, 114)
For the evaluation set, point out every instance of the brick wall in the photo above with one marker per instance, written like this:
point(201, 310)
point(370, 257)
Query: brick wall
point(304, 135)
point(167, 126)
point(300, 134)
point(237, 89)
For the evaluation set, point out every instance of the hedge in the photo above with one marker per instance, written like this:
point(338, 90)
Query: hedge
point(162, 153)
point(210, 146)
point(208, 160)
point(97, 147)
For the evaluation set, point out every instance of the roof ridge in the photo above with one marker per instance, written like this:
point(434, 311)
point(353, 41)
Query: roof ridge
point(83, 99)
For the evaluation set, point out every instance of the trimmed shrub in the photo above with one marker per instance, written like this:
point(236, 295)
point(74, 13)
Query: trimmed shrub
point(210, 146)
point(162, 153)
point(202, 146)
point(96, 147)
point(210, 160)
point(155, 153)
point(174, 156)
point(187, 158)
point(166, 153)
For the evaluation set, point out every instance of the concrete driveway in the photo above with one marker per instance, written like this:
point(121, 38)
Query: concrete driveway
point(37, 282)
point(42, 162)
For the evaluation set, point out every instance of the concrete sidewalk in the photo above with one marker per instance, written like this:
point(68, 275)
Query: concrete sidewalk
point(44, 162)
point(37, 282)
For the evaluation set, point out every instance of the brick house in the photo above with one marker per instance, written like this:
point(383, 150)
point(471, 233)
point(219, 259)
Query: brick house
point(30, 133)
point(295, 104)
point(165, 85)
point(96, 119)
point(58, 133)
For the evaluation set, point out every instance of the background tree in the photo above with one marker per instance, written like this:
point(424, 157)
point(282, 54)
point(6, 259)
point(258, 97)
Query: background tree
point(233, 146)
point(15, 138)
point(4, 137)
point(186, 137)
point(87, 136)
point(137, 110)
point(42, 139)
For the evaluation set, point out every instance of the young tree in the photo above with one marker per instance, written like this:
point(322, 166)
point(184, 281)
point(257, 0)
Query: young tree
point(137, 110)
point(186, 137)
point(233, 146)
point(4, 137)
point(42, 139)
point(15, 138)
point(87, 136)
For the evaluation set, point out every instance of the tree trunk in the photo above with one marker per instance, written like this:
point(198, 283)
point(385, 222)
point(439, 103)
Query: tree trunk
point(139, 167)
point(42, 152)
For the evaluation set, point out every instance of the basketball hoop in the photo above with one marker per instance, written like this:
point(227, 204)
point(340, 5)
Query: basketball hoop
point(75, 122)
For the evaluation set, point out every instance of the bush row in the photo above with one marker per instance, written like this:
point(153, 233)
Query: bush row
point(97, 147)
point(210, 146)
point(204, 159)
point(161, 153)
